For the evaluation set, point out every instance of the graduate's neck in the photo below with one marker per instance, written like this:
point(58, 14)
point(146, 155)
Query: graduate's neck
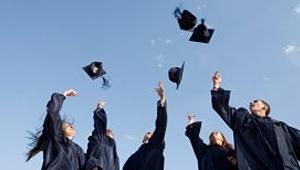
point(259, 114)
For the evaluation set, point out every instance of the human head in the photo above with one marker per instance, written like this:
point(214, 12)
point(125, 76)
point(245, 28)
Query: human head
point(147, 136)
point(217, 138)
point(260, 108)
point(68, 130)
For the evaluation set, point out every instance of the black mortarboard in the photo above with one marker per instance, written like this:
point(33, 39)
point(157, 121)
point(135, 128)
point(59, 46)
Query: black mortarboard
point(201, 33)
point(94, 70)
point(175, 74)
point(186, 19)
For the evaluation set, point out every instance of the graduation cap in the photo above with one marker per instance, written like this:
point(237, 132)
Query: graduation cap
point(106, 83)
point(94, 70)
point(175, 74)
point(186, 19)
point(202, 33)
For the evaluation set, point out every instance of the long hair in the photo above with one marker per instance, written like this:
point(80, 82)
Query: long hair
point(37, 143)
point(225, 144)
point(38, 140)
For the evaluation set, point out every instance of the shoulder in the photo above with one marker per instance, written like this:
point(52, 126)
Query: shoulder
point(242, 113)
point(76, 146)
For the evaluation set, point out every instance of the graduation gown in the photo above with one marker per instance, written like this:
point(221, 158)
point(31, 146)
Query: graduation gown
point(261, 143)
point(101, 151)
point(59, 153)
point(150, 156)
point(210, 157)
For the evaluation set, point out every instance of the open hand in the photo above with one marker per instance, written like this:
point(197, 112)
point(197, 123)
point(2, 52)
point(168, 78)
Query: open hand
point(216, 79)
point(160, 91)
point(191, 117)
point(101, 104)
point(70, 92)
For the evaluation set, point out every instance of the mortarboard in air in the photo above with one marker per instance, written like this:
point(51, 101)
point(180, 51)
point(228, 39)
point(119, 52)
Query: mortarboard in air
point(175, 74)
point(94, 70)
point(186, 20)
point(202, 33)
point(106, 83)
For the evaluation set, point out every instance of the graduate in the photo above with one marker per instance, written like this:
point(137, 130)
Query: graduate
point(101, 152)
point(218, 155)
point(59, 151)
point(261, 142)
point(150, 156)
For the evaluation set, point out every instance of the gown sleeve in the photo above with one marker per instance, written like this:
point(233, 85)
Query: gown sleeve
point(52, 126)
point(160, 125)
point(192, 132)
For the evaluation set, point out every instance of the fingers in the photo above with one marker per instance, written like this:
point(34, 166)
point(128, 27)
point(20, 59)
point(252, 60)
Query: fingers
point(216, 75)
point(191, 116)
point(70, 92)
point(159, 88)
point(160, 84)
point(101, 104)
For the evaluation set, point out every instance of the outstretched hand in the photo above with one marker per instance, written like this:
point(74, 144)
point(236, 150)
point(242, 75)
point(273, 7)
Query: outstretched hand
point(191, 117)
point(161, 92)
point(216, 79)
point(101, 104)
point(70, 92)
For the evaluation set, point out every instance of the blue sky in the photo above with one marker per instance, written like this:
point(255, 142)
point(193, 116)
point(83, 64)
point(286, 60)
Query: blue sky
point(44, 44)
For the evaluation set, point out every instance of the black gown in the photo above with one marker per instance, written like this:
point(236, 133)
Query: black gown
point(59, 153)
point(261, 143)
point(101, 151)
point(210, 157)
point(150, 156)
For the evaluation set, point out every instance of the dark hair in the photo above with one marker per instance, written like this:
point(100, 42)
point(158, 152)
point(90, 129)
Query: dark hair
point(37, 143)
point(267, 107)
point(38, 140)
point(224, 145)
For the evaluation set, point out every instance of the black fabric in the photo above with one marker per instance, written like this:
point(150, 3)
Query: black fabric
point(101, 151)
point(59, 153)
point(210, 157)
point(150, 156)
point(261, 143)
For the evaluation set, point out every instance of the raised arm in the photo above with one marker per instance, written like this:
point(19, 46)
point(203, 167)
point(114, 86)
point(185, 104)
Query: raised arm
point(161, 120)
point(53, 122)
point(220, 101)
point(100, 120)
point(192, 132)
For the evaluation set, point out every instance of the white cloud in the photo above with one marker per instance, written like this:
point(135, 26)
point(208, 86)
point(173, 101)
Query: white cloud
point(290, 49)
point(159, 41)
point(131, 138)
point(201, 7)
point(168, 41)
point(297, 8)
point(152, 42)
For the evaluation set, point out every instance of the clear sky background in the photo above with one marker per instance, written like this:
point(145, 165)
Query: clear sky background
point(44, 44)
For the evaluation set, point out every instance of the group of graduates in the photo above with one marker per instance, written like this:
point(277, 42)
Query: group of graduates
point(261, 143)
